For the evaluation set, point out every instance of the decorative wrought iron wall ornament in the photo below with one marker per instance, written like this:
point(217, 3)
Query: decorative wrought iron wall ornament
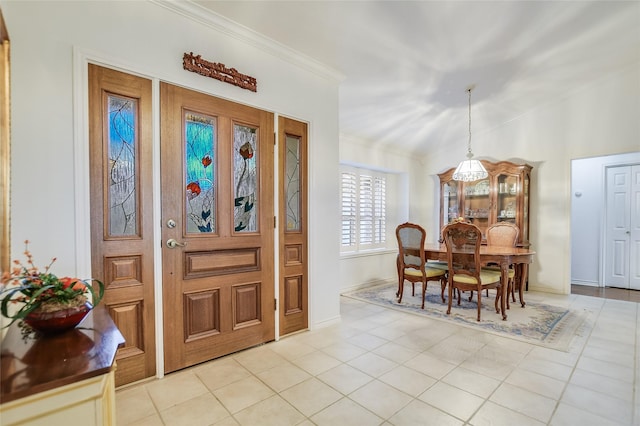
point(219, 71)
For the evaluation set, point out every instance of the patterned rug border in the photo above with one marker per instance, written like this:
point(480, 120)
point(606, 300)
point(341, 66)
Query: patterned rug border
point(546, 325)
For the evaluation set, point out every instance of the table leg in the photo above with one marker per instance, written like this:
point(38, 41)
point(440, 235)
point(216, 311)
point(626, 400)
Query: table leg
point(504, 278)
point(523, 278)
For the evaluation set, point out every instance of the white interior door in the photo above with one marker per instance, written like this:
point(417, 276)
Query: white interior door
point(622, 237)
point(634, 228)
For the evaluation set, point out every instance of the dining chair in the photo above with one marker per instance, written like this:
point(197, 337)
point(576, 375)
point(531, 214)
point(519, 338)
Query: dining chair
point(463, 242)
point(411, 262)
point(504, 234)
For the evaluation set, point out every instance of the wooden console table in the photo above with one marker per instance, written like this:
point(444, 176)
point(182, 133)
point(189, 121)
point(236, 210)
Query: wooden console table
point(55, 379)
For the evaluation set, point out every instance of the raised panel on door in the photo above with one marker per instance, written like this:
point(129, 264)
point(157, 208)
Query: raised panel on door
point(217, 208)
point(121, 201)
point(293, 287)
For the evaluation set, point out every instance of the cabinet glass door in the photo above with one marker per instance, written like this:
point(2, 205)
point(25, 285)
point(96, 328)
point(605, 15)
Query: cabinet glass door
point(450, 202)
point(524, 231)
point(477, 203)
point(507, 198)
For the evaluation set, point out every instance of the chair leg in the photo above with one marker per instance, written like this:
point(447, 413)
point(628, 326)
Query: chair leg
point(471, 295)
point(443, 284)
point(450, 296)
point(400, 277)
point(498, 297)
point(424, 291)
point(400, 289)
point(479, 303)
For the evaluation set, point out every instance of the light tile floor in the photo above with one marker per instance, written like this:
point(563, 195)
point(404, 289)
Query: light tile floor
point(383, 367)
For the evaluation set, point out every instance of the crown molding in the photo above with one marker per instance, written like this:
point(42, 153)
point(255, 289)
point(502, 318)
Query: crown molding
point(206, 17)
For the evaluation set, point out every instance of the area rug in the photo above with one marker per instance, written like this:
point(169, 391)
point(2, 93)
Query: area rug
point(538, 323)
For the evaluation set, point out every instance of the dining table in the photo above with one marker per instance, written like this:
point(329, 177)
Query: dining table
point(520, 257)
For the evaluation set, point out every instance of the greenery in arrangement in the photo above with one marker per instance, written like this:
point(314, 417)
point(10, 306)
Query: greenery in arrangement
point(30, 289)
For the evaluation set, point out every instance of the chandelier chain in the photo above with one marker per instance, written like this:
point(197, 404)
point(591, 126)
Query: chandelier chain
point(470, 170)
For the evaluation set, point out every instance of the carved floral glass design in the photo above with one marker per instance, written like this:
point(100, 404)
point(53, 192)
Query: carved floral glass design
point(199, 160)
point(245, 178)
point(292, 183)
point(122, 166)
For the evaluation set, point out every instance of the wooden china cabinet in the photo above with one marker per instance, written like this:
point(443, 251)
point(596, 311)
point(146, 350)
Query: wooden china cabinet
point(502, 197)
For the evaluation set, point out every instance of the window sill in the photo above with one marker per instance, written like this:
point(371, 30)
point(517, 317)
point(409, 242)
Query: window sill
point(373, 252)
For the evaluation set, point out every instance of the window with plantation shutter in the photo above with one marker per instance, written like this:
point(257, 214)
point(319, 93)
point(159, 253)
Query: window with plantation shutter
point(365, 208)
point(363, 203)
point(379, 210)
point(349, 213)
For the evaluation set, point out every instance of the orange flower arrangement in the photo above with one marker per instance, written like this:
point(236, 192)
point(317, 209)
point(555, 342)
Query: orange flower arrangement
point(43, 291)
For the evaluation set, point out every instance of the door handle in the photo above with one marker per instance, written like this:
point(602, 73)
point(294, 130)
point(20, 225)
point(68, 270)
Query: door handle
point(171, 243)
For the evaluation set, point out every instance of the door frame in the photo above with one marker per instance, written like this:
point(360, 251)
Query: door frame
point(81, 58)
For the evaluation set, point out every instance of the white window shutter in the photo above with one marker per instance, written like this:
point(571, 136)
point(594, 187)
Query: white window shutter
point(363, 204)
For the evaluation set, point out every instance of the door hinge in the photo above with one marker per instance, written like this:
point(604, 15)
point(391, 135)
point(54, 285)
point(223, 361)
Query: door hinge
point(275, 304)
point(275, 222)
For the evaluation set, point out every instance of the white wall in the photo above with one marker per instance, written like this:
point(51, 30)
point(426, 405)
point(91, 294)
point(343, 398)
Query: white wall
point(588, 199)
point(599, 119)
point(148, 39)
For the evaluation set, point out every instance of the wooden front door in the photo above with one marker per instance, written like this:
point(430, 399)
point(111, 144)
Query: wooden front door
point(120, 147)
point(293, 225)
point(217, 226)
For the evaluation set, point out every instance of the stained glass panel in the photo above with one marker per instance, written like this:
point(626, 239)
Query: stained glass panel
point(122, 180)
point(245, 178)
point(292, 182)
point(199, 172)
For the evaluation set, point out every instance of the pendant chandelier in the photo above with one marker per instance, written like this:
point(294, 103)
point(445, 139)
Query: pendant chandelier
point(470, 169)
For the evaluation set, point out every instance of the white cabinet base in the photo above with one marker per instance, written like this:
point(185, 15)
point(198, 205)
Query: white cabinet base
point(90, 402)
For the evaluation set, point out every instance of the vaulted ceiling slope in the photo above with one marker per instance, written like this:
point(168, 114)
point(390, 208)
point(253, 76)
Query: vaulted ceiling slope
point(408, 64)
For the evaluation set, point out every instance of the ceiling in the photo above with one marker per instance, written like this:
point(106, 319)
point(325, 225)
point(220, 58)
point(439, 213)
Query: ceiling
point(408, 64)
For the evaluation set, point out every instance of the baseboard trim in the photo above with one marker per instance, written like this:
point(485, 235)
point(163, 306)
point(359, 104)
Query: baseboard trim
point(367, 284)
point(590, 283)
